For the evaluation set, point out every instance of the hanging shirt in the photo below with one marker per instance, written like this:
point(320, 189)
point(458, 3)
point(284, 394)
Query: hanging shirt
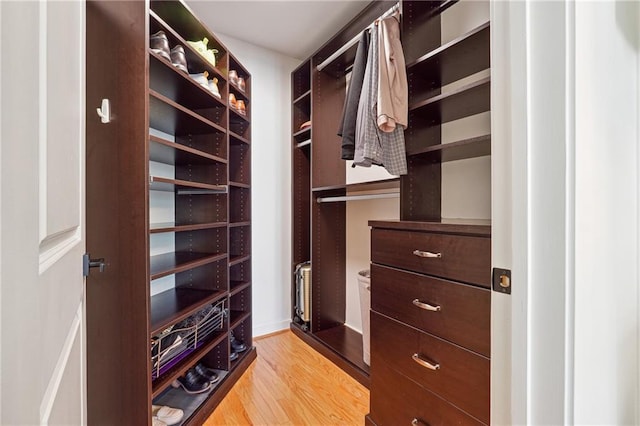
point(393, 98)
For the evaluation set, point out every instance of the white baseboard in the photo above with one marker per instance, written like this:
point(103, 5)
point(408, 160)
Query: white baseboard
point(262, 329)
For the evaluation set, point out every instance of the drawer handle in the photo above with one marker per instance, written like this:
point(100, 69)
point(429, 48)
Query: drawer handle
point(421, 253)
point(418, 422)
point(426, 306)
point(425, 364)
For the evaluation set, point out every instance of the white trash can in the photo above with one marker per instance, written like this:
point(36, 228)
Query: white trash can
point(364, 289)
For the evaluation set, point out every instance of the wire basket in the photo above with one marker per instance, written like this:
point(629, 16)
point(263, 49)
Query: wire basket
point(176, 342)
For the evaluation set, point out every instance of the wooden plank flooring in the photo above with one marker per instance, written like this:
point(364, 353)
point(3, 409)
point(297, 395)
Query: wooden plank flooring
point(292, 384)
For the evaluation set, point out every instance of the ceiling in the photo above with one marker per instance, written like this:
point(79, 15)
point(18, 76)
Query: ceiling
point(295, 28)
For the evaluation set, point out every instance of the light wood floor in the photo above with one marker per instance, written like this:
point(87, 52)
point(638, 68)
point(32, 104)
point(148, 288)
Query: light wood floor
point(292, 384)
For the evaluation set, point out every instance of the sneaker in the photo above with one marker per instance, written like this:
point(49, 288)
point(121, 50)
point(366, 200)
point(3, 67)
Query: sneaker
point(178, 58)
point(167, 415)
point(200, 46)
point(233, 77)
point(158, 43)
point(241, 84)
point(213, 86)
point(201, 78)
point(157, 422)
point(241, 107)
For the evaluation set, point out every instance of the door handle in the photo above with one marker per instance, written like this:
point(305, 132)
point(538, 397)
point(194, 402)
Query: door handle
point(88, 263)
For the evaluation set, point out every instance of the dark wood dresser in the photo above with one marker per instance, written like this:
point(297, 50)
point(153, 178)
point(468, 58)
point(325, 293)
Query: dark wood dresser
point(430, 323)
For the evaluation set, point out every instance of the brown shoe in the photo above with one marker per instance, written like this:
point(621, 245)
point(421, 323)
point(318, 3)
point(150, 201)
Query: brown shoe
point(241, 107)
point(233, 103)
point(158, 43)
point(179, 59)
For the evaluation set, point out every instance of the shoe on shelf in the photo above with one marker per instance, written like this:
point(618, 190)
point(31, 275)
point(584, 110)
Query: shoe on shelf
point(241, 84)
point(167, 415)
point(178, 58)
point(207, 373)
point(233, 77)
point(233, 356)
point(192, 382)
point(233, 103)
point(157, 422)
point(201, 78)
point(242, 109)
point(213, 87)
point(158, 43)
point(200, 46)
point(305, 125)
point(237, 345)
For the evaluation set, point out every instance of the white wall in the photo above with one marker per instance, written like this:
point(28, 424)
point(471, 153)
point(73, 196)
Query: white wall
point(270, 182)
point(607, 116)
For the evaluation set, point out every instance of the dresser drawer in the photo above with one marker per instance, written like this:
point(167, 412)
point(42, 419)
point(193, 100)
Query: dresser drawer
point(456, 312)
point(396, 400)
point(457, 257)
point(462, 377)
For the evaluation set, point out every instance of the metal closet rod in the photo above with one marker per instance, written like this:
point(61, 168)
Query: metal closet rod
point(357, 197)
point(353, 41)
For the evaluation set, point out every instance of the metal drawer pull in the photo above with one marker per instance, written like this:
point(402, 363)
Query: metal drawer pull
point(421, 253)
point(424, 363)
point(417, 422)
point(426, 306)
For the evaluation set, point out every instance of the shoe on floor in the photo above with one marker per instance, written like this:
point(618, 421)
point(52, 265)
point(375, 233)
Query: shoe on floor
point(192, 382)
point(167, 415)
point(207, 373)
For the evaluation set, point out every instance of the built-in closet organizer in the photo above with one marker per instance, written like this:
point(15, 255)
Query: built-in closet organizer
point(169, 209)
point(319, 176)
point(430, 276)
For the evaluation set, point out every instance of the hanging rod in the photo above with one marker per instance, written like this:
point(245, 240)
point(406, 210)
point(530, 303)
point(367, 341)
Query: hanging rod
point(358, 197)
point(348, 45)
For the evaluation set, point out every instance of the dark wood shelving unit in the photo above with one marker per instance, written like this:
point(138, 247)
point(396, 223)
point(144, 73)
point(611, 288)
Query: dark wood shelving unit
point(306, 132)
point(237, 318)
point(305, 144)
point(302, 97)
point(237, 116)
point(165, 121)
point(171, 117)
point(393, 183)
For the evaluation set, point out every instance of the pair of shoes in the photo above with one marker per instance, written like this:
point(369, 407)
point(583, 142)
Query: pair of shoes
point(203, 80)
point(166, 415)
point(237, 104)
point(192, 382)
point(201, 47)
point(159, 43)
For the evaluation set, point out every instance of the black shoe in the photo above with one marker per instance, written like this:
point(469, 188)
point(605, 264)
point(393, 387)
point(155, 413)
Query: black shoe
point(209, 374)
point(233, 356)
point(237, 345)
point(192, 382)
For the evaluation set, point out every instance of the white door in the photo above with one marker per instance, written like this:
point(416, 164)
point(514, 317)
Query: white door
point(42, 212)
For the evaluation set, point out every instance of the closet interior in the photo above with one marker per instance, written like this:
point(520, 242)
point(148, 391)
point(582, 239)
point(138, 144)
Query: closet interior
point(438, 252)
point(174, 220)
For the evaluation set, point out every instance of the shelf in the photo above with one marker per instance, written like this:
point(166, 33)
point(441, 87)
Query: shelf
point(472, 227)
point(239, 224)
point(468, 148)
point(164, 381)
point(176, 304)
point(346, 342)
point(189, 404)
point(305, 95)
point(196, 63)
point(393, 183)
point(238, 286)
point(239, 185)
point(172, 118)
point(165, 264)
point(464, 56)
point(167, 152)
point(234, 260)
point(235, 139)
point(238, 92)
point(302, 132)
point(167, 79)
point(183, 187)
point(468, 100)
point(303, 144)
point(236, 318)
point(158, 228)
